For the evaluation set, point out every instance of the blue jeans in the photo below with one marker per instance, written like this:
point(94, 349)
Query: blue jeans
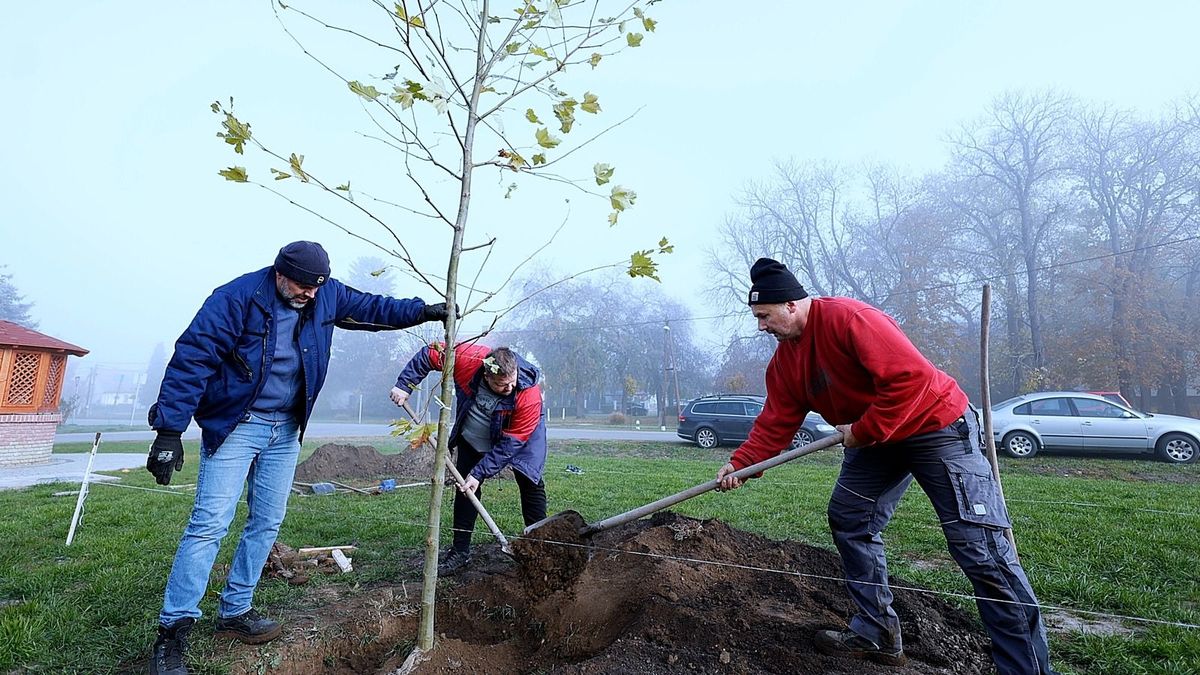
point(259, 453)
point(955, 475)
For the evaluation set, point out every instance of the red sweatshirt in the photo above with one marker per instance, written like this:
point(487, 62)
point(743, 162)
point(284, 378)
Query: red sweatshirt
point(853, 365)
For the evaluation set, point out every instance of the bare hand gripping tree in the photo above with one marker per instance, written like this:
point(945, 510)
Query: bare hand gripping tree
point(476, 87)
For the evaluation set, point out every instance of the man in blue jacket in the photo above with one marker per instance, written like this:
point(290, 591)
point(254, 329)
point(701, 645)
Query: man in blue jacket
point(498, 423)
point(248, 369)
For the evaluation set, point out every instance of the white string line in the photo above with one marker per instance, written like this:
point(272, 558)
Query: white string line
point(136, 487)
point(953, 594)
point(1194, 514)
point(1107, 506)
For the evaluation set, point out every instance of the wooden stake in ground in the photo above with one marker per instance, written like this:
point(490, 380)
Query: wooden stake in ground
point(350, 487)
point(312, 551)
point(985, 383)
point(83, 490)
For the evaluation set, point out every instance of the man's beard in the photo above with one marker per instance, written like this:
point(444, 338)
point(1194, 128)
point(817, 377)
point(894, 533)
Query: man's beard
point(293, 300)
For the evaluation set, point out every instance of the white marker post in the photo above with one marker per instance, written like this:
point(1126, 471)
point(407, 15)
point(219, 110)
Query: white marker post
point(83, 490)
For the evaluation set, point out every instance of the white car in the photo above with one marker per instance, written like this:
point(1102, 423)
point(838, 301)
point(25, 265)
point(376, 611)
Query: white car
point(1070, 420)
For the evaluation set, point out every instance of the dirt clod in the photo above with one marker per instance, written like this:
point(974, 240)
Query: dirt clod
point(554, 551)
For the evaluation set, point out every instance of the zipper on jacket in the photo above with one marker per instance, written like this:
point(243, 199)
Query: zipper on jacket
point(266, 342)
point(245, 366)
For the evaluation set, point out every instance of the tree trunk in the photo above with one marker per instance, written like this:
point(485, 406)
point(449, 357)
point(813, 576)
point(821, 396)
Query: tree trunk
point(1036, 342)
point(1012, 334)
point(1120, 338)
point(425, 633)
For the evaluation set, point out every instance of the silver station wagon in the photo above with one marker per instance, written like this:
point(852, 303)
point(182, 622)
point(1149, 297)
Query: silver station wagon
point(1078, 422)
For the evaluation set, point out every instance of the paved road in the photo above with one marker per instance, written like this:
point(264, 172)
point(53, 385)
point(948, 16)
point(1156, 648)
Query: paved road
point(350, 430)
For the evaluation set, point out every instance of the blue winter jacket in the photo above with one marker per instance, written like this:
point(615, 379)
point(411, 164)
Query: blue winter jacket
point(221, 361)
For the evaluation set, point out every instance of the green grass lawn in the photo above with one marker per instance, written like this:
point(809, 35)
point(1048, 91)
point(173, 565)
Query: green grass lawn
point(1108, 536)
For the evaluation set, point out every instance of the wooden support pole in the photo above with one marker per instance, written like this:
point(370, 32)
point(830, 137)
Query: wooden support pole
point(985, 384)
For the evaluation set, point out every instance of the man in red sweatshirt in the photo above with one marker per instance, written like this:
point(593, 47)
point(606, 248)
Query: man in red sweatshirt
point(901, 418)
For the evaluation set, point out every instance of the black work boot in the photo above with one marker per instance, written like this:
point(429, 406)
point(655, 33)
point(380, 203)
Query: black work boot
point(849, 644)
point(453, 561)
point(249, 627)
point(170, 648)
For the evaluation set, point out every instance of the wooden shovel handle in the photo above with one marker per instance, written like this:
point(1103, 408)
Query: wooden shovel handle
point(460, 481)
point(713, 484)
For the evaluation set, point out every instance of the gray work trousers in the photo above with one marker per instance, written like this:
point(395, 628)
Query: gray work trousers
point(950, 467)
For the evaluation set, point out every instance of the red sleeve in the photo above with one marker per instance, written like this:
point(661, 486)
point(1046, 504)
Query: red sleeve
point(898, 370)
point(468, 357)
point(436, 351)
point(776, 425)
point(527, 413)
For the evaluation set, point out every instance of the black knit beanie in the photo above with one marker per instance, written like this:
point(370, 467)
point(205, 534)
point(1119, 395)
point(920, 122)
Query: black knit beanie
point(771, 283)
point(304, 262)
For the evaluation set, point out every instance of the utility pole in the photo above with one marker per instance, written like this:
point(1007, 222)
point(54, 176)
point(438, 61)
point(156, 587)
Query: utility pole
point(87, 403)
point(666, 383)
point(140, 380)
point(116, 397)
point(674, 370)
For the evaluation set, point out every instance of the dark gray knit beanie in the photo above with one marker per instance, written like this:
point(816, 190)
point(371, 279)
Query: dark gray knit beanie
point(304, 262)
point(771, 283)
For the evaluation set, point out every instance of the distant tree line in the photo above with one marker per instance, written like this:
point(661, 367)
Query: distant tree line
point(609, 337)
point(1084, 218)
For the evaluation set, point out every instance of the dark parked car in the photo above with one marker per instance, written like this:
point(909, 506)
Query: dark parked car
point(1070, 420)
point(710, 421)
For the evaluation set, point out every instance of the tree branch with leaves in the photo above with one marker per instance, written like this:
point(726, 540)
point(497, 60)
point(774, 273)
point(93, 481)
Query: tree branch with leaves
point(485, 78)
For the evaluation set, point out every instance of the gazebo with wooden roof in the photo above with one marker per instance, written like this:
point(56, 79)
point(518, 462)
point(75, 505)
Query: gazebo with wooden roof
point(32, 368)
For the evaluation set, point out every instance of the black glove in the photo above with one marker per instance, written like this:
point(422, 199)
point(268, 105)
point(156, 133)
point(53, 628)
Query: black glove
point(439, 312)
point(166, 455)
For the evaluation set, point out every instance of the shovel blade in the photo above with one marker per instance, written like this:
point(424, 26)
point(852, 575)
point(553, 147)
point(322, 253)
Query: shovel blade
point(556, 525)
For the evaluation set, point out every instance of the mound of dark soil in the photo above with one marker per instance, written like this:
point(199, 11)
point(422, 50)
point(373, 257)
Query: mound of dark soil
point(363, 462)
point(334, 461)
point(667, 595)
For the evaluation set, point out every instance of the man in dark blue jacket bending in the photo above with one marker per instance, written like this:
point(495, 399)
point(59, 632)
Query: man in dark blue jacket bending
point(248, 369)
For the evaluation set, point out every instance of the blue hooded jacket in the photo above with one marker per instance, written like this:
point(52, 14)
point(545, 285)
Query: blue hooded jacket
point(221, 361)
